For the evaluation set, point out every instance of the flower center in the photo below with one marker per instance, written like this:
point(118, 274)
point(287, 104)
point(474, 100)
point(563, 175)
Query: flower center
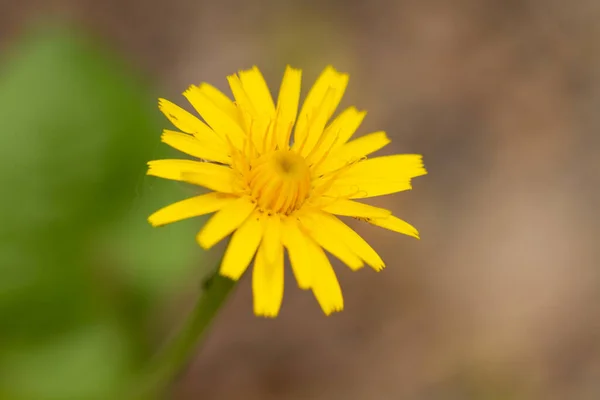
point(280, 181)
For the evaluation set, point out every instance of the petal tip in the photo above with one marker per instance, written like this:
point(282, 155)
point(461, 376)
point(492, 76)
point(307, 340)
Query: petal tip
point(334, 309)
point(267, 314)
point(330, 69)
point(152, 221)
point(192, 89)
point(379, 268)
point(202, 241)
point(151, 168)
point(228, 275)
point(291, 69)
point(385, 137)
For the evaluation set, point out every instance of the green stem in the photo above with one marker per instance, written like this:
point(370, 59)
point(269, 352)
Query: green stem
point(178, 352)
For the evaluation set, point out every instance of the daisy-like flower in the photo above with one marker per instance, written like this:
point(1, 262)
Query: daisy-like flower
point(279, 179)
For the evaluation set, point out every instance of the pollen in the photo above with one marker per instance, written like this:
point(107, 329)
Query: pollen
point(280, 182)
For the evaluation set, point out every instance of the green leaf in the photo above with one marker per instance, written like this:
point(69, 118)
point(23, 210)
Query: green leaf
point(156, 261)
point(89, 363)
point(80, 266)
point(76, 133)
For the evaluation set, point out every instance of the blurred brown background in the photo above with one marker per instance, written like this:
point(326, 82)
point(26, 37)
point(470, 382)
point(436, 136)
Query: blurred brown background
point(500, 298)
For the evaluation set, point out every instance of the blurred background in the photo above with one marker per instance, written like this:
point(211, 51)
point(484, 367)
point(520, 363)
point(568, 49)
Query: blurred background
point(499, 300)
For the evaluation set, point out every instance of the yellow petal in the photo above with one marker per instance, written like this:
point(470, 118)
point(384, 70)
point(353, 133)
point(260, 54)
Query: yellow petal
point(257, 90)
point(196, 146)
point(225, 221)
point(316, 125)
point(378, 176)
point(351, 239)
point(325, 285)
point(328, 240)
point(353, 151)
point(244, 104)
point(272, 238)
point(220, 100)
point(395, 224)
point(212, 176)
point(257, 123)
point(296, 243)
point(336, 134)
point(366, 189)
point(287, 105)
point(329, 79)
point(398, 166)
point(182, 119)
point(346, 124)
point(362, 146)
point(242, 247)
point(219, 119)
point(355, 209)
point(267, 284)
point(192, 207)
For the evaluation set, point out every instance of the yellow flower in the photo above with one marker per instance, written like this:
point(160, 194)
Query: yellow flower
point(279, 178)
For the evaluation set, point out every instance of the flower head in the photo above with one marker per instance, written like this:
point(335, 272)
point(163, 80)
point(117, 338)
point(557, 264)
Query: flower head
point(278, 180)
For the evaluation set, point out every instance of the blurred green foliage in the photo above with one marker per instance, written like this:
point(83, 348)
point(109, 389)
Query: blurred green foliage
point(80, 268)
